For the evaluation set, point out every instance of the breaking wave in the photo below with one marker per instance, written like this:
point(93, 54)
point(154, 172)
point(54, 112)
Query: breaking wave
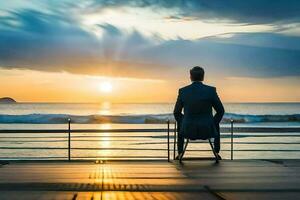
point(134, 119)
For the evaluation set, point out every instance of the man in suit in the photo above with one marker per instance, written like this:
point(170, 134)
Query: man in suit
point(198, 122)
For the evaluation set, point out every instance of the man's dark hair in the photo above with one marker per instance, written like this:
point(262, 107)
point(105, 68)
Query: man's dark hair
point(197, 73)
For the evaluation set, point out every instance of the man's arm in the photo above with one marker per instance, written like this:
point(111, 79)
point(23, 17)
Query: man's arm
point(218, 106)
point(178, 108)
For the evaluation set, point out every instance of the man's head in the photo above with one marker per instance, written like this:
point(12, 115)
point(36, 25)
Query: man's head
point(197, 74)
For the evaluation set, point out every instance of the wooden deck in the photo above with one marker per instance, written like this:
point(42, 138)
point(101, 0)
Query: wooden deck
point(239, 179)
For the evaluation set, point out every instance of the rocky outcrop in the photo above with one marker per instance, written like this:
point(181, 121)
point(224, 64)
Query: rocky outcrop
point(7, 100)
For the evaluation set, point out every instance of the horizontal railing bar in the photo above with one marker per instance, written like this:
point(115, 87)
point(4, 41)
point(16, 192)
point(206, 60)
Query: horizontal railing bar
point(86, 136)
point(81, 130)
point(99, 136)
point(227, 130)
point(261, 136)
point(83, 148)
point(36, 141)
point(148, 136)
point(143, 143)
point(94, 157)
point(262, 129)
point(40, 148)
point(205, 142)
point(140, 149)
point(261, 143)
point(277, 150)
point(75, 132)
point(24, 141)
point(62, 157)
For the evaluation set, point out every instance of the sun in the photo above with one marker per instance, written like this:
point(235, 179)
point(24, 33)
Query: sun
point(105, 87)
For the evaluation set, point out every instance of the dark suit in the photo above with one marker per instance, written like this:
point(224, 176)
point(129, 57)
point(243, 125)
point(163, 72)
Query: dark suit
point(198, 122)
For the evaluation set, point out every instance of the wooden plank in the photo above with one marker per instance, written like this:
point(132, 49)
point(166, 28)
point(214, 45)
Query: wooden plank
point(239, 179)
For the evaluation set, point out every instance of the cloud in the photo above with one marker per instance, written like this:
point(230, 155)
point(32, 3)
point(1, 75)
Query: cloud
point(253, 12)
point(38, 38)
point(230, 58)
point(271, 40)
point(50, 42)
point(42, 41)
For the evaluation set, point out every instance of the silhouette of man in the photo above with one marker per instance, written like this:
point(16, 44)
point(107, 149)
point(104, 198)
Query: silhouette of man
point(198, 122)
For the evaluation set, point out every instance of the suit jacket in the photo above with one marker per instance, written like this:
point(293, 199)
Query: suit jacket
point(198, 121)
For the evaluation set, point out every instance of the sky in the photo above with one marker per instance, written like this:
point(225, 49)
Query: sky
point(142, 50)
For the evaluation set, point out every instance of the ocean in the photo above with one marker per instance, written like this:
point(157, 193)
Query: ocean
point(141, 145)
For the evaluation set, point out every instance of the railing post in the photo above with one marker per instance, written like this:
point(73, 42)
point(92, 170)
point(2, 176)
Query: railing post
point(175, 131)
point(69, 139)
point(231, 129)
point(168, 122)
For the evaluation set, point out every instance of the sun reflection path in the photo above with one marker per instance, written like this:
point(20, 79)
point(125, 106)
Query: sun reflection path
point(104, 142)
point(105, 109)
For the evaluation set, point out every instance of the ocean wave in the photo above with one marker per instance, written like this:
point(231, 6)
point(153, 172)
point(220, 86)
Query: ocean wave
point(239, 118)
point(134, 119)
point(84, 119)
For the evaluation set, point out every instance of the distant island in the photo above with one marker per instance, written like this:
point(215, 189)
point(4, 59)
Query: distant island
point(7, 100)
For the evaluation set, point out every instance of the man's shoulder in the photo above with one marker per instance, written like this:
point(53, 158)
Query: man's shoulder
point(185, 88)
point(209, 87)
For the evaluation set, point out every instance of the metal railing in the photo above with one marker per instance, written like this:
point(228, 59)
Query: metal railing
point(70, 138)
point(160, 137)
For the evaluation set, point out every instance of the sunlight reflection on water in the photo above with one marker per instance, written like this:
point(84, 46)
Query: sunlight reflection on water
point(104, 142)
